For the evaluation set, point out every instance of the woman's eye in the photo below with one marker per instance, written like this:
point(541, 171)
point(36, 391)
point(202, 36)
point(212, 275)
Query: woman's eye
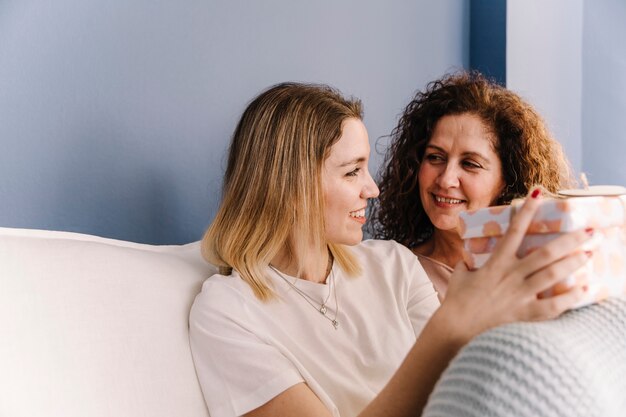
point(433, 157)
point(471, 165)
point(353, 173)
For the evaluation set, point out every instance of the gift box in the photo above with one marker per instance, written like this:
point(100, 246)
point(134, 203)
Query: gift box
point(604, 274)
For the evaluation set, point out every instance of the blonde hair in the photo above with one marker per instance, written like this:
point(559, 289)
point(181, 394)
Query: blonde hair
point(272, 185)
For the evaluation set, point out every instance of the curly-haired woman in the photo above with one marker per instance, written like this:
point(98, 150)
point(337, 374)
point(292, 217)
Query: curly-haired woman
point(462, 144)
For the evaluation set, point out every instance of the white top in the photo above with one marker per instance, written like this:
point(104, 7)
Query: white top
point(246, 351)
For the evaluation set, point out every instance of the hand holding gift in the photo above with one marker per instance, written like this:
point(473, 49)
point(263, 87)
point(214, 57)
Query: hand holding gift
point(505, 288)
point(605, 274)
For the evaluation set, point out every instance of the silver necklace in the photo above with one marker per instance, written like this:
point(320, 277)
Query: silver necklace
point(323, 308)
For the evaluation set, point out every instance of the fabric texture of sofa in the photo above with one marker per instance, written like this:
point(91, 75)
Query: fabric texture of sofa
point(95, 327)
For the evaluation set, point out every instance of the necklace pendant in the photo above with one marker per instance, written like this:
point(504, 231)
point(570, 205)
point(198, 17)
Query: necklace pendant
point(335, 324)
point(323, 309)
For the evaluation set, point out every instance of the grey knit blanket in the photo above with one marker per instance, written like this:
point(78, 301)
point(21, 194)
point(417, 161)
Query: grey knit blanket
point(574, 366)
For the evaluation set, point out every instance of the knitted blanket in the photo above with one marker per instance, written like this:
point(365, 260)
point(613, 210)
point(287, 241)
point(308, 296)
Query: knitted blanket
point(574, 366)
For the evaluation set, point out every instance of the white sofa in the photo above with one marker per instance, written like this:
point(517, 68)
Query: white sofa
point(95, 327)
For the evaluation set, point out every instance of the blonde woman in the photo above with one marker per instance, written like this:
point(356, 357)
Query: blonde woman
point(307, 320)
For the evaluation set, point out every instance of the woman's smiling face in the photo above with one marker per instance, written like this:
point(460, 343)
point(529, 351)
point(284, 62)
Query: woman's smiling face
point(460, 170)
point(347, 185)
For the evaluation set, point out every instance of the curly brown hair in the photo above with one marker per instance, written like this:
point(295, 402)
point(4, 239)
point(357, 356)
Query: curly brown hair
point(527, 151)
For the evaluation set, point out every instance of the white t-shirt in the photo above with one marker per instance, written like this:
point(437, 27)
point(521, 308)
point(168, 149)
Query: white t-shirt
point(247, 351)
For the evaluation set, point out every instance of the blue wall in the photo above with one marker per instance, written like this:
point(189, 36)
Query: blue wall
point(115, 115)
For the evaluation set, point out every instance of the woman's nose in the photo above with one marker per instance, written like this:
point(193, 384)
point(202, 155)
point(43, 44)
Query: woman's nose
point(370, 189)
point(448, 177)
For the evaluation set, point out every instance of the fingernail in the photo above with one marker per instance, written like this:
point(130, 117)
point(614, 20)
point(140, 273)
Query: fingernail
point(585, 288)
point(589, 231)
point(535, 193)
point(589, 253)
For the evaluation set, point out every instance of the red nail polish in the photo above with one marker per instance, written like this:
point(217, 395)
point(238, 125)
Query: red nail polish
point(536, 193)
point(589, 231)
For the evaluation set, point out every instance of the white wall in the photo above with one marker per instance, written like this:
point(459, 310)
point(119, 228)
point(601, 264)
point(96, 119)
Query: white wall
point(604, 91)
point(568, 57)
point(544, 64)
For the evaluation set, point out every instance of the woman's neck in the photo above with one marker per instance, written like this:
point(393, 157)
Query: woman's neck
point(316, 264)
point(443, 246)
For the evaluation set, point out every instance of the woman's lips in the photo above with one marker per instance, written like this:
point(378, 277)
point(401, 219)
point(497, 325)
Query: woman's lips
point(358, 215)
point(447, 202)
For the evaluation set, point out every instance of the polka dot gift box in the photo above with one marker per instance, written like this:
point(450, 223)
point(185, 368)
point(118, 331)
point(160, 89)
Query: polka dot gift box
point(605, 273)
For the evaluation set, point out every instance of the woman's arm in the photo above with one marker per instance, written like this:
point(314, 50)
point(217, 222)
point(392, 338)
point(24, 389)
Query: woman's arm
point(298, 400)
point(504, 290)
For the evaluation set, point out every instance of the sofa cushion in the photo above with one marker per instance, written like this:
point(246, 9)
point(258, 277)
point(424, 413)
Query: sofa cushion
point(96, 327)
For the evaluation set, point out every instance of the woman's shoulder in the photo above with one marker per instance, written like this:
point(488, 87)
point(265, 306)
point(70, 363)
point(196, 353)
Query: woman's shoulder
point(388, 258)
point(383, 248)
point(427, 260)
point(387, 253)
point(222, 292)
